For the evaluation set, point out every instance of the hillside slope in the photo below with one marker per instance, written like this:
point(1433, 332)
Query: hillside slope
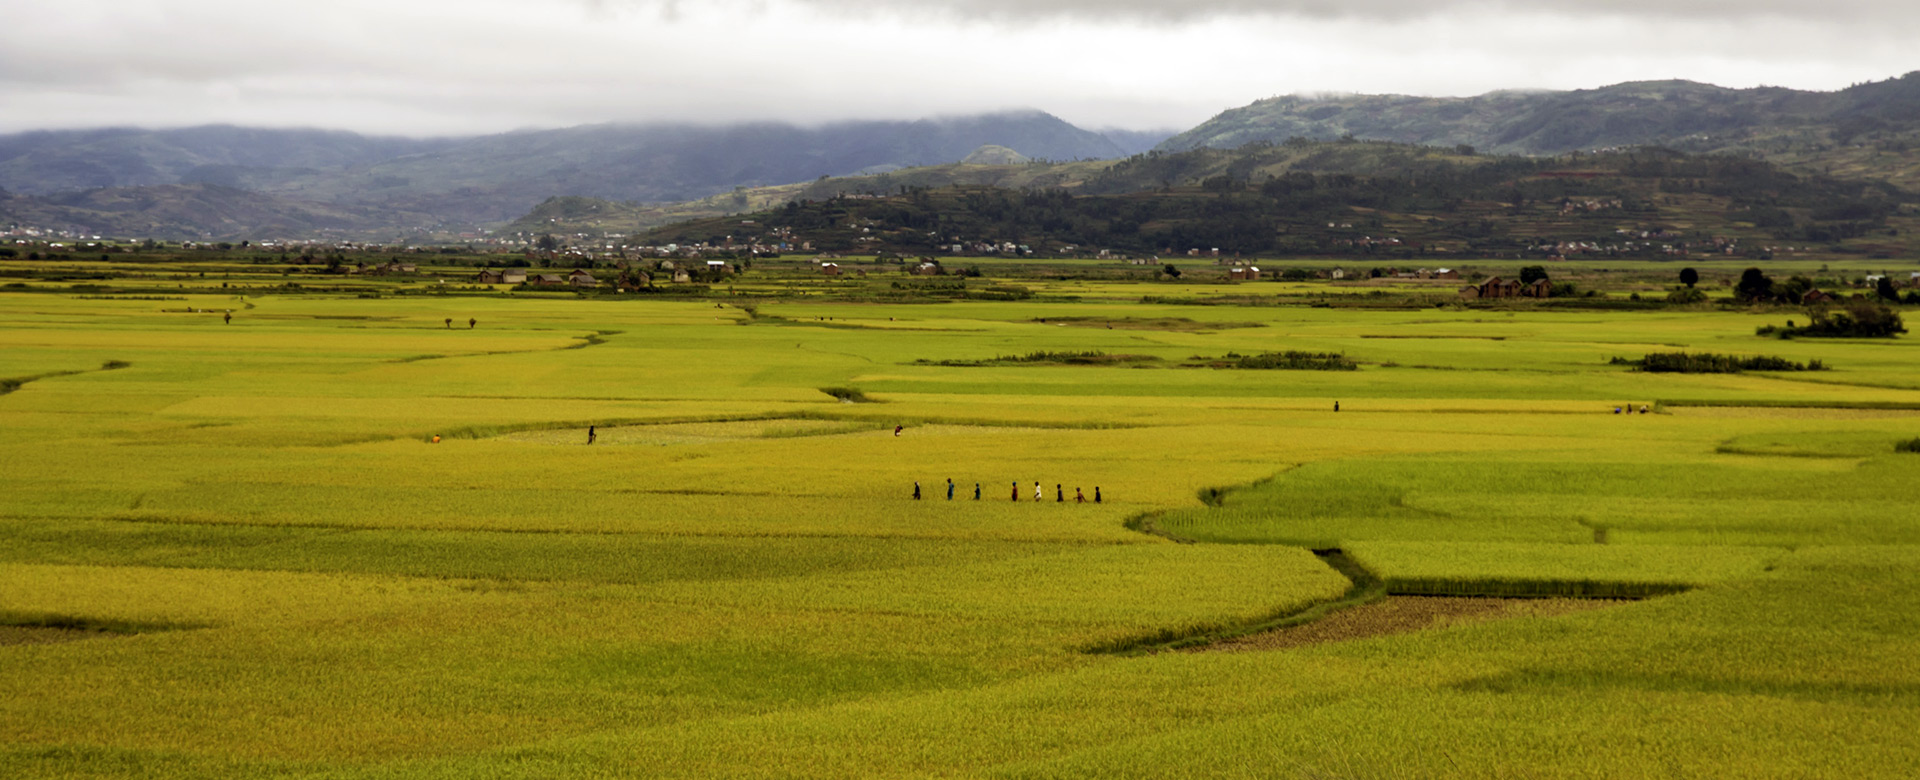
point(1804, 130)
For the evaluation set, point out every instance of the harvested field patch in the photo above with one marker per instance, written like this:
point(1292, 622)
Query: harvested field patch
point(39, 635)
point(1181, 324)
point(1402, 615)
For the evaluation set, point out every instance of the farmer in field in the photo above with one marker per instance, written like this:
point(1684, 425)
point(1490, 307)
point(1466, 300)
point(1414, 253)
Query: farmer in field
point(1038, 493)
point(1096, 494)
point(1079, 497)
point(1336, 406)
point(229, 317)
point(949, 488)
point(1016, 491)
point(590, 434)
point(449, 323)
point(898, 428)
point(1059, 494)
point(916, 490)
point(976, 491)
point(471, 322)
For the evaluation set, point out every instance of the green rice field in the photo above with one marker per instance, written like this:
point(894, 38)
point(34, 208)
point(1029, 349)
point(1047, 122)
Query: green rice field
point(337, 538)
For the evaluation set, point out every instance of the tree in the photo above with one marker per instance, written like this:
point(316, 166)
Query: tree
point(1884, 289)
point(1754, 285)
point(546, 243)
point(1532, 273)
point(1689, 277)
point(1171, 270)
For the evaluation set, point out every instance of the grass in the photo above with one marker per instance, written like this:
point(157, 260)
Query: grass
point(734, 581)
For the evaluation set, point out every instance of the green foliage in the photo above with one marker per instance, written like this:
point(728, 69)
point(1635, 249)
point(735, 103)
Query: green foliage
point(1689, 277)
point(1295, 360)
point(1709, 363)
point(1857, 319)
point(1907, 445)
point(851, 395)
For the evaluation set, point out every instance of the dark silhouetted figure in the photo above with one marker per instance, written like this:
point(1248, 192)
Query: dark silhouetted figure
point(471, 322)
point(591, 435)
point(897, 429)
point(1059, 494)
point(1016, 491)
point(229, 318)
point(976, 491)
point(1079, 497)
point(449, 323)
point(1096, 494)
point(949, 488)
point(916, 491)
point(1336, 406)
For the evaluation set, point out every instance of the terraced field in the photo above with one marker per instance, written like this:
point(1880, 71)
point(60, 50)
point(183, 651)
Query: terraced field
point(336, 538)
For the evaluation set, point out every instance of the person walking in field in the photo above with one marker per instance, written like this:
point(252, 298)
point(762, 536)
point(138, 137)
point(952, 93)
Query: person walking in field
point(916, 490)
point(471, 322)
point(1336, 406)
point(976, 491)
point(1016, 491)
point(1059, 494)
point(591, 435)
point(1096, 494)
point(229, 317)
point(449, 323)
point(1039, 494)
point(949, 488)
point(1079, 497)
point(898, 428)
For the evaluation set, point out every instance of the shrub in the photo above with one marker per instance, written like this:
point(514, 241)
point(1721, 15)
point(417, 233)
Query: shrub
point(1293, 360)
point(1910, 445)
point(1709, 363)
point(850, 395)
point(1860, 319)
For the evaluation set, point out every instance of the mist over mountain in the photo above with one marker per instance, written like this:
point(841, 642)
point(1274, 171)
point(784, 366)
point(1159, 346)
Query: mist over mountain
point(1682, 114)
point(494, 178)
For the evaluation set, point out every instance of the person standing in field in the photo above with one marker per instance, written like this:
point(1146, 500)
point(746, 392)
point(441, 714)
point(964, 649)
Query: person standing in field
point(471, 322)
point(1059, 494)
point(1079, 497)
point(916, 490)
point(1336, 406)
point(590, 434)
point(976, 491)
point(1016, 491)
point(949, 488)
point(449, 323)
point(1039, 494)
point(1096, 494)
point(229, 317)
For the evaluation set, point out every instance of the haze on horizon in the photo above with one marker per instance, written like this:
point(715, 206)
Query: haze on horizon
point(439, 67)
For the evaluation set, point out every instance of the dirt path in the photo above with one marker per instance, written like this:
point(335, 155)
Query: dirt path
point(1402, 615)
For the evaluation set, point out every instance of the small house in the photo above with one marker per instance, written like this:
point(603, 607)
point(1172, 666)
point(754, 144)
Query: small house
point(829, 269)
point(580, 278)
point(1446, 273)
point(490, 277)
point(547, 280)
point(513, 276)
point(1244, 273)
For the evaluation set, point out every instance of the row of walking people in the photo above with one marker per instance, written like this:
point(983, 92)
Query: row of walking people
point(1039, 492)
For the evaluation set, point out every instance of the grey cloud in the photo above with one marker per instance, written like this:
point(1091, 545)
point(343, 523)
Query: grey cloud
point(1184, 10)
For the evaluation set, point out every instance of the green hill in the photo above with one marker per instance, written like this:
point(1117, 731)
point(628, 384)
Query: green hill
point(1347, 198)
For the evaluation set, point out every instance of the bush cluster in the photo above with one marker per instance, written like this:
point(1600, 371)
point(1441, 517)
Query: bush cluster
point(1709, 363)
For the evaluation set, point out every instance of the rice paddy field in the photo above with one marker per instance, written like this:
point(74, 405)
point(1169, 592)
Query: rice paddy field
point(337, 538)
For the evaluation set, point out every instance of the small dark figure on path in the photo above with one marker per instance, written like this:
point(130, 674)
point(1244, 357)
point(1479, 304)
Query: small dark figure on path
point(591, 435)
point(1336, 406)
point(1059, 494)
point(949, 488)
point(976, 491)
point(897, 429)
point(1079, 497)
point(449, 323)
point(1016, 491)
point(916, 491)
point(229, 318)
point(1096, 494)
point(471, 322)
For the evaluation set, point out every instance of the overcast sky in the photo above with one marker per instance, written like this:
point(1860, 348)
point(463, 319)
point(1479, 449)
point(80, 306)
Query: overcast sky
point(426, 67)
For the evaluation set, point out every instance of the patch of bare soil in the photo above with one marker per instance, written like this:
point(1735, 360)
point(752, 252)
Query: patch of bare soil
point(1403, 615)
point(36, 635)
